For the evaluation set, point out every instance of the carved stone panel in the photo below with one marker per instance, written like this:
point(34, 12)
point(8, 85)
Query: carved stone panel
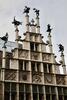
point(24, 76)
point(23, 54)
point(60, 80)
point(37, 78)
point(46, 57)
point(48, 78)
point(10, 75)
point(34, 56)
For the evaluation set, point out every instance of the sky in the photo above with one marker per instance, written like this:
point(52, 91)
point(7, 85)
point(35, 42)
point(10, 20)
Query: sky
point(52, 12)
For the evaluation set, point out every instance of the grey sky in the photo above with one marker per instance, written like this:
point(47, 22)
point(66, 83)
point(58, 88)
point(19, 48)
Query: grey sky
point(51, 11)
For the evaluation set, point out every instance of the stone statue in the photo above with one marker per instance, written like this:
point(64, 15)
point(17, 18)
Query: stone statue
point(36, 11)
point(48, 28)
point(61, 48)
point(26, 10)
point(16, 23)
point(5, 39)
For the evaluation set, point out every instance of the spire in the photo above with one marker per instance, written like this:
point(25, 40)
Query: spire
point(61, 49)
point(49, 38)
point(16, 24)
point(32, 25)
point(26, 11)
point(37, 20)
point(5, 39)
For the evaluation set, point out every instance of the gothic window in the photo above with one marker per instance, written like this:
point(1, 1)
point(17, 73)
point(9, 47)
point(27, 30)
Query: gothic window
point(65, 91)
point(21, 88)
point(40, 89)
point(45, 68)
point(35, 89)
point(36, 47)
point(50, 68)
point(27, 88)
point(53, 90)
point(13, 87)
point(33, 66)
point(32, 46)
point(38, 67)
point(23, 65)
point(60, 90)
point(47, 89)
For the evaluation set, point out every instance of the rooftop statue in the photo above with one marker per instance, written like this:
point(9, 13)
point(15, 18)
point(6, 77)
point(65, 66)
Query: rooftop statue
point(26, 10)
point(15, 22)
point(49, 28)
point(36, 11)
point(61, 48)
point(5, 39)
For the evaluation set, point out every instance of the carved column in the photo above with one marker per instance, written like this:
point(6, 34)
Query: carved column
point(63, 62)
point(27, 22)
point(3, 69)
point(37, 25)
point(17, 34)
point(64, 67)
point(50, 43)
point(32, 25)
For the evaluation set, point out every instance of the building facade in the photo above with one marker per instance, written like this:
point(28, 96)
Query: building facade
point(29, 72)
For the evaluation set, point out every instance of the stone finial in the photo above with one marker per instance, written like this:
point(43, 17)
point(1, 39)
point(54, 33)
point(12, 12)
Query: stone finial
point(26, 10)
point(36, 11)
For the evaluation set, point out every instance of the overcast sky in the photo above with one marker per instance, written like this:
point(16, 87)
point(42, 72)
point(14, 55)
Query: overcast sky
point(53, 12)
